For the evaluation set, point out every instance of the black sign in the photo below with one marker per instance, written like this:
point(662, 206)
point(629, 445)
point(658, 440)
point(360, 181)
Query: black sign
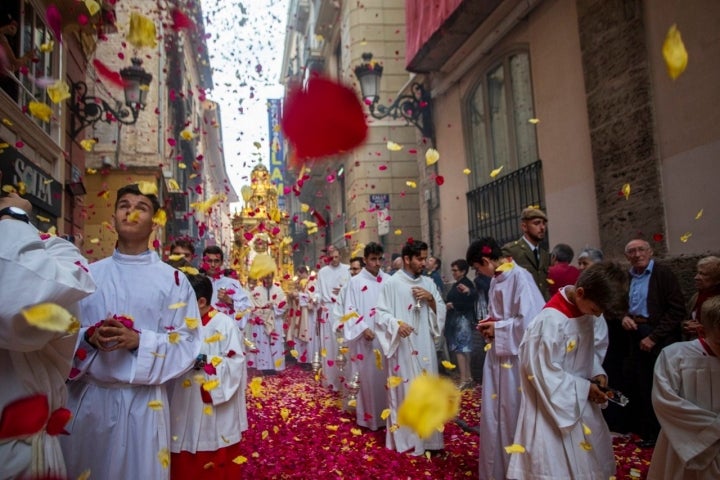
point(41, 189)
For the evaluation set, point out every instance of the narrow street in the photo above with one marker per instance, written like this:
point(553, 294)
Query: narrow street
point(298, 431)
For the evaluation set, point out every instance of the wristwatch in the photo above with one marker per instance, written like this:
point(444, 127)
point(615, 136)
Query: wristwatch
point(16, 213)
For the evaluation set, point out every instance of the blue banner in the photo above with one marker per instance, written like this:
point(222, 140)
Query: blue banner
point(277, 150)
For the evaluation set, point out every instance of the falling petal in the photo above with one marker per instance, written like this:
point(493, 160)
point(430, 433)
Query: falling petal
point(394, 147)
point(50, 317)
point(626, 191)
point(467, 171)
point(534, 121)
point(142, 31)
point(164, 458)
point(54, 21)
point(58, 91)
point(411, 184)
point(186, 135)
point(160, 218)
point(514, 448)
point(155, 404)
point(110, 75)
point(699, 214)
point(348, 316)
point(88, 144)
point(487, 347)
point(448, 365)
point(175, 306)
point(214, 338)
point(147, 188)
point(240, 460)
point(211, 385)
point(496, 172)
point(506, 365)
point(586, 446)
point(393, 381)
point(572, 345)
point(398, 232)
point(674, 53)
point(385, 414)
point(586, 429)
point(262, 266)
point(174, 337)
point(431, 156)
point(685, 237)
point(47, 47)
point(431, 401)
point(92, 6)
point(40, 111)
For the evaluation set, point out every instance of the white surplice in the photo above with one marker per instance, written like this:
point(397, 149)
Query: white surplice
point(513, 302)
point(304, 324)
point(564, 434)
point(266, 328)
point(193, 429)
point(411, 356)
point(34, 361)
point(329, 278)
point(361, 297)
point(113, 431)
point(686, 398)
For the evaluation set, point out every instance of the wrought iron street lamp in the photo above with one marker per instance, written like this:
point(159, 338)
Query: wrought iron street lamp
point(89, 109)
point(414, 108)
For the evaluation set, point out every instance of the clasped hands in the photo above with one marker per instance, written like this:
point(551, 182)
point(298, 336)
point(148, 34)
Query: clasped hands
point(112, 335)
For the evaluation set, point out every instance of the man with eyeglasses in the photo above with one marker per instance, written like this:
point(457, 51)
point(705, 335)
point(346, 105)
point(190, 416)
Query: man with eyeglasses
point(656, 309)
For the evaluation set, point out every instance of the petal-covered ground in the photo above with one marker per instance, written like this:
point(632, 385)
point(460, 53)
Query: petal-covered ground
point(297, 430)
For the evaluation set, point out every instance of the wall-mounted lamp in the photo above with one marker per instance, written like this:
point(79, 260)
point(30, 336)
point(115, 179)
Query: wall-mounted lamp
point(88, 110)
point(414, 108)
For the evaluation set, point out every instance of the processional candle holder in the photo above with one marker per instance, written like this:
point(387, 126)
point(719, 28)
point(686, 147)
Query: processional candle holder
point(353, 388)
point(315, 364)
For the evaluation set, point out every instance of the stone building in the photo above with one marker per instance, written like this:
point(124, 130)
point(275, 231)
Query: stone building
point(350, 191)
point(571, 98)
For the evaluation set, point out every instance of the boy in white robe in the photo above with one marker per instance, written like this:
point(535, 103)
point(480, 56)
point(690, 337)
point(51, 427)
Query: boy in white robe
point(513, 301)
point(361, 298)
point(686, 398)
point(303, 324)
point(34, 362)
point(560, 424)
point(266, 329)
point(205, 403)
point(331, 279)
point(410, 315)
point(134, 339)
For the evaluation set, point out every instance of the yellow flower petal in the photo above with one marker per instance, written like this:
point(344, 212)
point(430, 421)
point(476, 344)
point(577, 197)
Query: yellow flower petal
point(40, 111)
point(323, 352)
point(186, 135)
point(262, 266)
point(256, 387)
point(506, 365)
point(356, 431)
point(385, 414)
point(487, 347)
point(133, 216)
point(279, 362)
point(189, 270)
point(394, 147)
point(155, 405)
point(349, 316)
point(626, 191)
point(211, 385)
point(192, 323)
point(174, 337)
point(586, 446)
point(534, 121)
point(142, 31)
point(51, 317)
point(47, 47)
point(147, 188)
point(674, 53)
point(160, 218)
point(284, 413)
point(699, 214)
point(187, 383)
point(58, 91)
point(352, 403)
point(92, 6)
point(411, 184)
point(240, 460)
point(586, 429)
point(467, 171)
point(177, 305)
point(515, 448)
point(398, 232)
point(431, 156)
point(294, 353)
point(448, 365)
point(208, 410)
point(215, 360)
point(214, 338)
point(685, 237)
point(496, 172)
point(164, 457)
point(378, 359)
point(87, 145)
point(332, 428)
point(304, 207)
point(393, 381)
point(431, 401)
point(572, 345)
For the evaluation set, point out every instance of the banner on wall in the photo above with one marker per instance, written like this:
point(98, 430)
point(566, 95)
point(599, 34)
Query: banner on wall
point(277, 148)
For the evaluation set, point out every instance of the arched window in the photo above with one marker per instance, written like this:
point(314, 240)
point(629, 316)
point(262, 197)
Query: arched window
point(500, 126)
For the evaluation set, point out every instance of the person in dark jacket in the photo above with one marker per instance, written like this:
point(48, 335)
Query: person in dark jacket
point(460, 302)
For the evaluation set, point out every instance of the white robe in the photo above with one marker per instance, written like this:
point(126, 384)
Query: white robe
point(34, 361)
point(113, 431)
point(361, 297)
point(193, 429)
point(686, 399)
point(514, 301)
point(560, 352)
point(306, 335)
point(241, 301)
point(329, 278)
point(266, 328)
point(408, 357)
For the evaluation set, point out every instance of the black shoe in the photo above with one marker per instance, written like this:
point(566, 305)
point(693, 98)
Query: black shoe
point(646, 444)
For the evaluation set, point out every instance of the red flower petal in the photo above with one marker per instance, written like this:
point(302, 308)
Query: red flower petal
point(24, 417)
point(106, 73)
point(57, 421)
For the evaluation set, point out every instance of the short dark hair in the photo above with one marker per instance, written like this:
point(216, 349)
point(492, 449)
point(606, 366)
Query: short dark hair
point(373, 247)
point(202, 285)
point(413, 248)
point(183, 243)
point(358, 259)
point(563, 253)
point(461, 265)
point(134, 189)
point(605, 284)
point(486, 247)
point(214, 250)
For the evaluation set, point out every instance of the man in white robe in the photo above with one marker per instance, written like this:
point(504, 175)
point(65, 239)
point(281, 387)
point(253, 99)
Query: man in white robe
point(205, 403)
point(513, 301)
point(361, 298)
point(267, 326)
point(331, 279)
point(34, 362)
point(303, 331)
point(229, 297)
point(137, 334)
point(410, 315)
point(686, 398)
point(560, 424)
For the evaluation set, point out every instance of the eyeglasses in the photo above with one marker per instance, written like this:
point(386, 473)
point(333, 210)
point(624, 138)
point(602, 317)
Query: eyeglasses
point(632, 251)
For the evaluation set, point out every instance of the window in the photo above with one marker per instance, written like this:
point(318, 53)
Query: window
point(26, 85)
point(501, 133)
point(499, 111)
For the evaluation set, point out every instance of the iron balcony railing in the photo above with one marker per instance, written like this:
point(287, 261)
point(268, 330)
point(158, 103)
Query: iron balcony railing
point(494, 209)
